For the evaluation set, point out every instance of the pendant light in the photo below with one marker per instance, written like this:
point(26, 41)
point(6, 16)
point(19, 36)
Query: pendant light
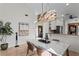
point(46, 15)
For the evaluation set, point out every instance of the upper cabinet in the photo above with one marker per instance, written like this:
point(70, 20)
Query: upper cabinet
point(53, 24)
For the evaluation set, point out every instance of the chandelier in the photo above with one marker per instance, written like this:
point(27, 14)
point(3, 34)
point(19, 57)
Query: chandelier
point(47, 16)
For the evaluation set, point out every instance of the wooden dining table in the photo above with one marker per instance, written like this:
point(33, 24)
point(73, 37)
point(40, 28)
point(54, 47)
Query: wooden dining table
point(56, 47)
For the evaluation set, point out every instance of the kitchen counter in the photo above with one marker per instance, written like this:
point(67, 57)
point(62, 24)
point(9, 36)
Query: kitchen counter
point(73, 40)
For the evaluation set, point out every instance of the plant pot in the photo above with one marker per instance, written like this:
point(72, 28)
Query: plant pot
point(4, 46)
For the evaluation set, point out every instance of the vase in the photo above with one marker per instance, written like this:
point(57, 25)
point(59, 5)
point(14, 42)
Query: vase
point(4, 46)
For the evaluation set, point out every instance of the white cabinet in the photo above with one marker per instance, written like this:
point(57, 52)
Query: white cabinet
point(57, 22)
point(53, 25)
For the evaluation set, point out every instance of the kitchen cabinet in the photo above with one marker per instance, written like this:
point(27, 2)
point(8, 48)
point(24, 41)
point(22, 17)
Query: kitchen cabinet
point(52, 25)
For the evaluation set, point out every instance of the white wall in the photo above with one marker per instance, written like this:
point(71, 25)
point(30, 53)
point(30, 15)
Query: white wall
point(15, 13)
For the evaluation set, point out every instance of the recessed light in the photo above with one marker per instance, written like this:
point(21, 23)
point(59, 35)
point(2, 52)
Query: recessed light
point(62, 15)
point(35, 21)
point(67, 4)
point(26, 14)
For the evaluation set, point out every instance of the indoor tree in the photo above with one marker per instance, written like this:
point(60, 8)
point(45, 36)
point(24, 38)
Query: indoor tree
point(5, 29)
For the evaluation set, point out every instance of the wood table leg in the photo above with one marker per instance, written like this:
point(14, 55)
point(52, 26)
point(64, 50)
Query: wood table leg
point(67, 52)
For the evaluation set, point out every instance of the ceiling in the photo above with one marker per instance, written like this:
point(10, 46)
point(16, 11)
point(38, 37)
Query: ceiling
point(36, 8)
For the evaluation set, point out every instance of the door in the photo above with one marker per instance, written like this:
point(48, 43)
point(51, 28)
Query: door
point(40, 31)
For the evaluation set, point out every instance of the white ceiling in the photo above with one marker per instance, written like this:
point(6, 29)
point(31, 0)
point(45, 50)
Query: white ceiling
point(35, 8)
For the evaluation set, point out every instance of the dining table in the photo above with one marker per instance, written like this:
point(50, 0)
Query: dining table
point(57, 47)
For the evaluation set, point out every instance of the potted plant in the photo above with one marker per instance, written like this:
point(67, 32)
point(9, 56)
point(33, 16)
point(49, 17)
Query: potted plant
point(5, 30)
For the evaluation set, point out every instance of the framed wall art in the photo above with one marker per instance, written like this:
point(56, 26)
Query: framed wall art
point(23, 29)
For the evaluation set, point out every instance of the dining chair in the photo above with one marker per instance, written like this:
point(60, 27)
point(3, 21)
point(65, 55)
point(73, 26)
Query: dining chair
point(31, 47)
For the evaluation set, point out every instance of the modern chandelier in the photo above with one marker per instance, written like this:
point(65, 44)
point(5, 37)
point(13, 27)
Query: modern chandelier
point(47, 15)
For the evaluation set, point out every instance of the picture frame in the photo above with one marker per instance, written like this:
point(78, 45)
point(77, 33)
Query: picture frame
point(23, 29)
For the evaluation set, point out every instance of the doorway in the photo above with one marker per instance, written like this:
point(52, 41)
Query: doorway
point(40, 31)
point(72, 29)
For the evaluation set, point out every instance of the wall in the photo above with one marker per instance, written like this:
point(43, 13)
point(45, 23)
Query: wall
point(15, 13)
